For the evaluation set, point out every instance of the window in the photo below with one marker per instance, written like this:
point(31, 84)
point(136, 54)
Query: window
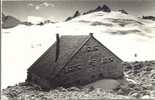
point(111, 59)
point(96, 48)
point(94, 59)
point(92, 48)
point(72, 68)
point(105, 60)
point(92, 62)
point(88, 49)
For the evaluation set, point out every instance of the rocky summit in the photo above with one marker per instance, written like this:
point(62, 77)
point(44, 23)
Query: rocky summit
point(9, 21)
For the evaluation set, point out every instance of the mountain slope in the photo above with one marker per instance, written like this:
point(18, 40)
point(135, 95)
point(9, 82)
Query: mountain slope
point(9, 22)
point(130, 38)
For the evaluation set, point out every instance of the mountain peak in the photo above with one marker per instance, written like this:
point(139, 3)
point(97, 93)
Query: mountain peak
point(76, 14)
point(9, 21)
point(104, 8)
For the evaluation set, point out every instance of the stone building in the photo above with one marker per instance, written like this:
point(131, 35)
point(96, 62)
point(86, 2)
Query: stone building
point(74, 61)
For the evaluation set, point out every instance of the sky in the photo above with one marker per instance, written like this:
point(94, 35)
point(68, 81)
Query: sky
point(60, 10)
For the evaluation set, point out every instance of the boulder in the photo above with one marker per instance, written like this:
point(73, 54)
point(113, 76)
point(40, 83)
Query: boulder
point(124, 12)
point(3, 97)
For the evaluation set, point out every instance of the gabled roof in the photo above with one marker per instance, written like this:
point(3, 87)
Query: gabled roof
point(46, 66)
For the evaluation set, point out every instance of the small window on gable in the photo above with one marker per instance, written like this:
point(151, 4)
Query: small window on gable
point(92, 48)
point(96, 48)
point(105, 60)
point(72, 68)
point(88, 49)
point(111, 59)
point(92, 62)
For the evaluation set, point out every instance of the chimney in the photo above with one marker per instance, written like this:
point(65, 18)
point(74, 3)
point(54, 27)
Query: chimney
point(57, 47)
point(91, 34)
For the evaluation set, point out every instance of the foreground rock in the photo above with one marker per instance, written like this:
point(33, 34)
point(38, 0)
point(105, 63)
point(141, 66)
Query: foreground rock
point(139, 82)
point(30, 92)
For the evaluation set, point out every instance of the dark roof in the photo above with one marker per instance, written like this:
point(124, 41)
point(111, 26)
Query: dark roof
point(46, 66)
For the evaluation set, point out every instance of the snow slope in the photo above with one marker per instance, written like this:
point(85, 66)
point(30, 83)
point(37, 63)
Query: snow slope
point(123, 34)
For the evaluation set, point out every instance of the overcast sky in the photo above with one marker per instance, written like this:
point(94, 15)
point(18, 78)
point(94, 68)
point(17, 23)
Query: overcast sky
point(60, 10)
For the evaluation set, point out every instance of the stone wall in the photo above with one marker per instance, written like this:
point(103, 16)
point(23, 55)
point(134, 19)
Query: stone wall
point(91, 63)
point(33, 78)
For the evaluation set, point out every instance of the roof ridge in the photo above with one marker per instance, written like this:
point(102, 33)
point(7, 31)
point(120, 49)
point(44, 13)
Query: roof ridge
point(73, 54)
point(73, 35)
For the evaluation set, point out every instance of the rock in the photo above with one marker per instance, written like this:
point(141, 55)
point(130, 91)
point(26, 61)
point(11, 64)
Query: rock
point(148, 68)
point(69, 18)
point(145, 97)
point(137, 95)
point(120, 92)
point(152, 93)
point(143, 88)
point(3, 97)
point(138, 88)
point(123, 11)
point(99, 8)
point(61, 89)
point(91, 88)
point(131, 81)
point(127, 66)
point(73, 89)
point(137, 66)
point(126, 91)
point(27, 23)
point(9, 22)
point(131, 85)
point(41, 23)
point(149, 18)
point(152, 74)
point(105, 8)
point(76, 14)
point(148, 86)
